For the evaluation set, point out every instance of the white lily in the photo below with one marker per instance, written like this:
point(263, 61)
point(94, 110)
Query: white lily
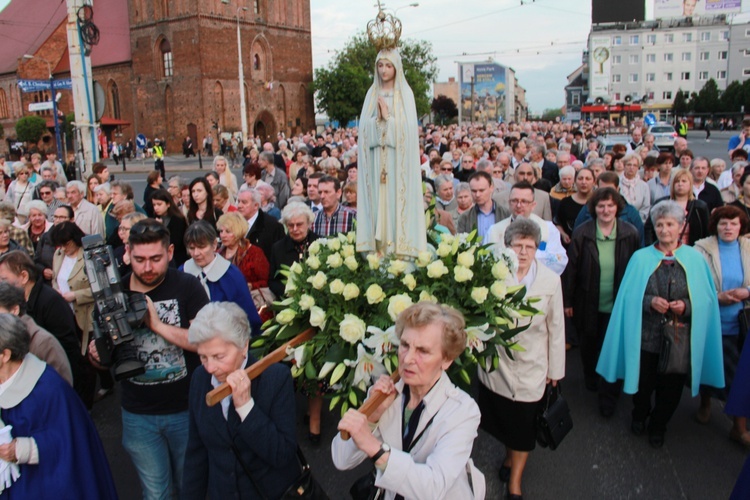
point(381, 341)
point(366, 367)
point(476, 336)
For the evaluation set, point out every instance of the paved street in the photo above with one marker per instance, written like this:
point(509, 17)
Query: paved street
point(599, 459)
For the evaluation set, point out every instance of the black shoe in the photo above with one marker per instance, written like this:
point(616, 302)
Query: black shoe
point(656, 440)
point(638, 426)
point(504, 474)
point(313, 438)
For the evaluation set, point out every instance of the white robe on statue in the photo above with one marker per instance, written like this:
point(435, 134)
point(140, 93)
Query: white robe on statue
point(390, 215)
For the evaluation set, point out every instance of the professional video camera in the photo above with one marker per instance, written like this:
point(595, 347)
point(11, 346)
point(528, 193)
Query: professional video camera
point(116, 314)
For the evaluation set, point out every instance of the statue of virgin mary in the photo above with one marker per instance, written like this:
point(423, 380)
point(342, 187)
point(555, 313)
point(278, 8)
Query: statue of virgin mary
point(390, 213)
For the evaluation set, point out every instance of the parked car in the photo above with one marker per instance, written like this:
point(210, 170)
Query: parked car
point(664, 136)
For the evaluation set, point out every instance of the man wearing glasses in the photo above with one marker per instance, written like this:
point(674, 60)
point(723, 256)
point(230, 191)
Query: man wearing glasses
point(46, 192)
point(550, 251)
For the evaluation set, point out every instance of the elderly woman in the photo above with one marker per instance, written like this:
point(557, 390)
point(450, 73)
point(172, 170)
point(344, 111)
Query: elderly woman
point(267, 199)
point(420, 438)
point(219, 277)
point(696, 211)
point(168, 214)
point(509, 408)
point(249, 258)
point(669, 286)
point(226, 177)
point(598, 256)
point(728, 258)
point(20, 191)
point(253, 431)
point(297, 217)
point(734, 191)
point(222, 199)
point(201, 205)
point(566, 186)
point(6, 243)
point(463, 198)
point(635, 191)
point(55, 445)
point(38, 223)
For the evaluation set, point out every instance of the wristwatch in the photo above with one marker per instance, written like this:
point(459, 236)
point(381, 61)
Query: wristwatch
point(384, 448)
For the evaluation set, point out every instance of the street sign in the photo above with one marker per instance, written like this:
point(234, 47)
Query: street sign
point(140, 141)
point(37, 85)
point(40, 106)
point(649, 119)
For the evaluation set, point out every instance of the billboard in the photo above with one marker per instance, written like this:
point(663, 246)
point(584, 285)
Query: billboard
point(600, 65)
point(607, 11)
point(664, 9)
point(484, 88)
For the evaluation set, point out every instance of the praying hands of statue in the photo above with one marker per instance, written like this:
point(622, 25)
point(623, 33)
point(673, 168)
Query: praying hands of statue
point(383, 113)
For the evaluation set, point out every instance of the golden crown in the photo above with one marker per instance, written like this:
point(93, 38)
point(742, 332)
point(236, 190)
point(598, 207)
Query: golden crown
point(384, 31)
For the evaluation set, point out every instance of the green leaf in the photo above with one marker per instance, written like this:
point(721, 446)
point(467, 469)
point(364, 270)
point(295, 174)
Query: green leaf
point(310, 371)
point(353, 398)
point(338, 372)
point(334, 401)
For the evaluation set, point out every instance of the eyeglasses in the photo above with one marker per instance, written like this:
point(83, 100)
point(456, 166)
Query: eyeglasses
point(521, 202)
point(45, 193)
point(60, 217)
point(447, 169)
point(22, 173)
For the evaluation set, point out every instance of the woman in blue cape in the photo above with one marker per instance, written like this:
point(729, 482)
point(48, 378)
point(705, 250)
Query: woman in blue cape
point(666, 281)
point(55, 450)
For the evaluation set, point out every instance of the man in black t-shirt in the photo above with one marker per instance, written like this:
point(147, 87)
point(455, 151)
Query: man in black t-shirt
point(155, 404)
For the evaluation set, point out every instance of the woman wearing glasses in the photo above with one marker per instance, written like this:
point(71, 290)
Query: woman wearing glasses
point(20, 191)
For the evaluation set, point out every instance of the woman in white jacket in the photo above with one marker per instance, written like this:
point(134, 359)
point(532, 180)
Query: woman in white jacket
point(420, 438)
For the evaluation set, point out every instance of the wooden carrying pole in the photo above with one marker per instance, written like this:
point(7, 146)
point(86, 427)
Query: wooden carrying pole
point(372, 403)
point(258, 367)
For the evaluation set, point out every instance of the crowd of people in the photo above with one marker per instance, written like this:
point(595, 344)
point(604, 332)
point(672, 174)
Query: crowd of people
point(629, 251)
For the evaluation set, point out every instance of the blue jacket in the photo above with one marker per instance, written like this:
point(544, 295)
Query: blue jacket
point(266, 441)
point(621, 353)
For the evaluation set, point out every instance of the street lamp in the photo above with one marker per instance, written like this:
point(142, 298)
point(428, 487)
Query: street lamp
point(413, 4)
point(243, 105)
point(53, 99)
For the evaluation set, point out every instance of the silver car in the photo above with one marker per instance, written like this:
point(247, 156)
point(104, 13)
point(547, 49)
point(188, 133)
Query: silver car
point(664, 136)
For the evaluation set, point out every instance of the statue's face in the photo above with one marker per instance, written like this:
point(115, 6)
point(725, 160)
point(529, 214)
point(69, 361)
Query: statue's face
point(386, 71)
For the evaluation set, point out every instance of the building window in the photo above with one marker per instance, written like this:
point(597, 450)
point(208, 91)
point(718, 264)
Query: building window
point(615, 78)
point(650, 77)
point(687, 56)
point(721, 74)
point(650, 96)
point(705, 36)
point(685, 76)
point(687, 37)
point(747, 33)
point(617, 40)
point(617, 96)
point(650, 58)
point(668, 57)
point(651, 39)
point(634, 39)
point(114, 96)
point(633, 78)
point(576, 99)
point(723, 36)
point(746, 72)
point(722, 55)
point(166, 58)
point(666, 95)
point(4, 105)
point(746, 52)
point(703, 75)
point(616, 59)
point(633, 59)
point(704, 56)
point(667, 77)
point(256, 62)
point(669, 38)
point(256, 7)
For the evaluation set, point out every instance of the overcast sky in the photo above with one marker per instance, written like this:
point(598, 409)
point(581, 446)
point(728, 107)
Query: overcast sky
point(542, 40)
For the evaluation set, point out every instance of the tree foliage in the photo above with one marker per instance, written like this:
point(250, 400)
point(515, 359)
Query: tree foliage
point(551, 113)
point(31, 128)
point(708, 100)
point(444, 109)
point(341, 87)
point(680, 104)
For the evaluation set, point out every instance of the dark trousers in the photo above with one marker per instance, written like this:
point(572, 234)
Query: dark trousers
point(668, 389)
point(590, 341)
point(159, 165)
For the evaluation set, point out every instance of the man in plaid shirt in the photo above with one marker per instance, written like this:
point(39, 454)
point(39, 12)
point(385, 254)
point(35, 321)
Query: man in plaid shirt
point(334, 218)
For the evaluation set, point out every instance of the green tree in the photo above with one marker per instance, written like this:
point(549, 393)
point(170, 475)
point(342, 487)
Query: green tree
point(341, 87)
point(680, 105)
point(708, 99)
point(732, 98)
point(550, 114)
point(31, 129)
point(444, 109)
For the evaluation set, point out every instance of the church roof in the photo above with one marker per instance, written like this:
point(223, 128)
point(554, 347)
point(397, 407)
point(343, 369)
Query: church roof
point(25, 25)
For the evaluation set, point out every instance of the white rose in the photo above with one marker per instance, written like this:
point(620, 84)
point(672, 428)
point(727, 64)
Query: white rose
point(447, 238)
point(336, 286)
point(347, 251)
point(424, 258)
point(426, 297)
point(461, 274)
point(314, 248)
point(306, 302)
point(466, 259)
point(499, 289)
point(290, 285)
point(286, 316)
point(443, 249)
point(397, 267)
point(313, 262)
point(334, 245)
point(318, 281)
point(437, 269)
point(317, 316)
point(500, 270)
point(373, 260)
point(351, 263)
point(352, 329)
point(374, 294)
point(351, 237)
point(479, 294)
point(409, 282)
point(351, 291)
point(296, 268)
point(398, 303)
point(334, 260)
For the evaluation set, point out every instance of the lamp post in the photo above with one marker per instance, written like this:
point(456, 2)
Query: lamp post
point(243, 105)
point(54, 101)
point(413, 4)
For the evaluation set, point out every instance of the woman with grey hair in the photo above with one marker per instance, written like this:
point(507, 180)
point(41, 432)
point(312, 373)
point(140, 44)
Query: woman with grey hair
point(21, 190)
point(37, 224)
point(509, 409)
point(54, 446)
point(668, 292)
point(268, 199)
point(566, 187)
point(253, 431)
point(221, 279)
point(733, 190)
point(297, 217)
point(463, 197)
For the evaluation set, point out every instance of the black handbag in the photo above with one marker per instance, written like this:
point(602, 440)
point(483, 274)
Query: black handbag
point(304, 487)
point(553, 421)
point(674, 356)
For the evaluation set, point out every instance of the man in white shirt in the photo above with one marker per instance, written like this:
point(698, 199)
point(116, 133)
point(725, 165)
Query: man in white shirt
point(87, 215)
